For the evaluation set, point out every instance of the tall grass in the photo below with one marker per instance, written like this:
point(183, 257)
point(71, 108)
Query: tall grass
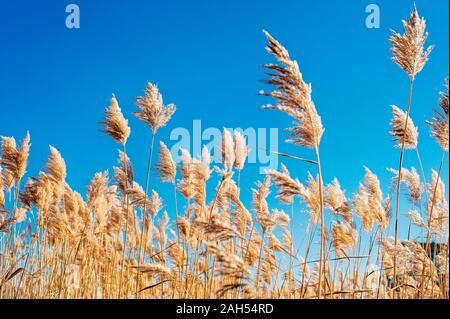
point(118, 242)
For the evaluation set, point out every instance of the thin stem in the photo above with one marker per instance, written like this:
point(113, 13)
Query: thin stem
point(305, 262)
point(445, 285)
point(291, 156)
point(429, 217)
point(144, 216)
point(176, 223)
point(399, 178)
point(322, 226)
point(259, 261)
point(126, 221)
point(422, 172)
point(215, 198)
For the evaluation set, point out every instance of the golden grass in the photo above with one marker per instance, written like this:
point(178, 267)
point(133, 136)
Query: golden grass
point(118, 242)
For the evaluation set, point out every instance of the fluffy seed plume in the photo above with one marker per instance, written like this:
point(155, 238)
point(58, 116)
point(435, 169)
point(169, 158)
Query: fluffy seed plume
point(228, 155)
point(124, 174)
point(408, 49)
point(415, 218)
point(151, 108)
point(368, 202)
point(166, 166)
point(56, 166)
point(137, 196)
point(412, 180)
point(260, 195)
point(397, 129)
point(115, 124)
point(288, 188)
point(9, 161)
point(24, 151)
point(436, 190)
point(14, 160)
point(97, 196)
point(293, 96)
point(311, 197)
point(343, 237)
point(440, 122)
point(155, 203)
point(240, 150)
point(335, 199)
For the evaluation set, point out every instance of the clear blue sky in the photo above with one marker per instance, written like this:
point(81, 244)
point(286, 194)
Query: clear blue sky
point(206, 56)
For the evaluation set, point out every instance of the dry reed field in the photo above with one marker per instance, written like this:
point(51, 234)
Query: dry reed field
point(117, 241)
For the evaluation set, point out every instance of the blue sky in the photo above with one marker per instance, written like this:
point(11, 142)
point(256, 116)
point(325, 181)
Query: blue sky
point(206, 57)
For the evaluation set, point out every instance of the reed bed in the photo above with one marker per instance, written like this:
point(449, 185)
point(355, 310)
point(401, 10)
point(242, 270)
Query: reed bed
point(118, 241)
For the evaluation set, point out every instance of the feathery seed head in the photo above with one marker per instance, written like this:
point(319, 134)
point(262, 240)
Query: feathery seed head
point(240, 150)
point(260, 195)
point(412, 180)
point(24, 151)
point(228, 155)
point(115, 124)
point(343, 237)
point(368, 202)
point(398, 129)
point(288, 188)
point(416, 219)
point(155, 203)
point(408, 49)
point(440, 122)
point(14, 160)
point(137, 196)
point(124, 174)
point(335, 199)
point(293, 97)
point(56, 166)
point(166, 166)
point(152, 110)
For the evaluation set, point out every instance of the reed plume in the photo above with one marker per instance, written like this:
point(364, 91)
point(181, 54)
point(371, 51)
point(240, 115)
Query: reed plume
point(240, 150)
point(228, 150)
point(124, 173)
point(412, 180)
point(415, 218)
point(368, 202)
point(288, 188)
point(408, 52)
point(152, 110)
point(14, 160)
point(115, 124)
point(335, 199)
point(439, 123)
point(137, 196)
point(156, 115)
point(408, 49)
point(56, 167)
point(407, 137)
point(156, 203)
point(166, 166)
point(293, 96)
point(343, 237)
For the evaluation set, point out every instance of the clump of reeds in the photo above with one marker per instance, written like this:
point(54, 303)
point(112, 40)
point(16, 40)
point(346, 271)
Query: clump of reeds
point(118, 241)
